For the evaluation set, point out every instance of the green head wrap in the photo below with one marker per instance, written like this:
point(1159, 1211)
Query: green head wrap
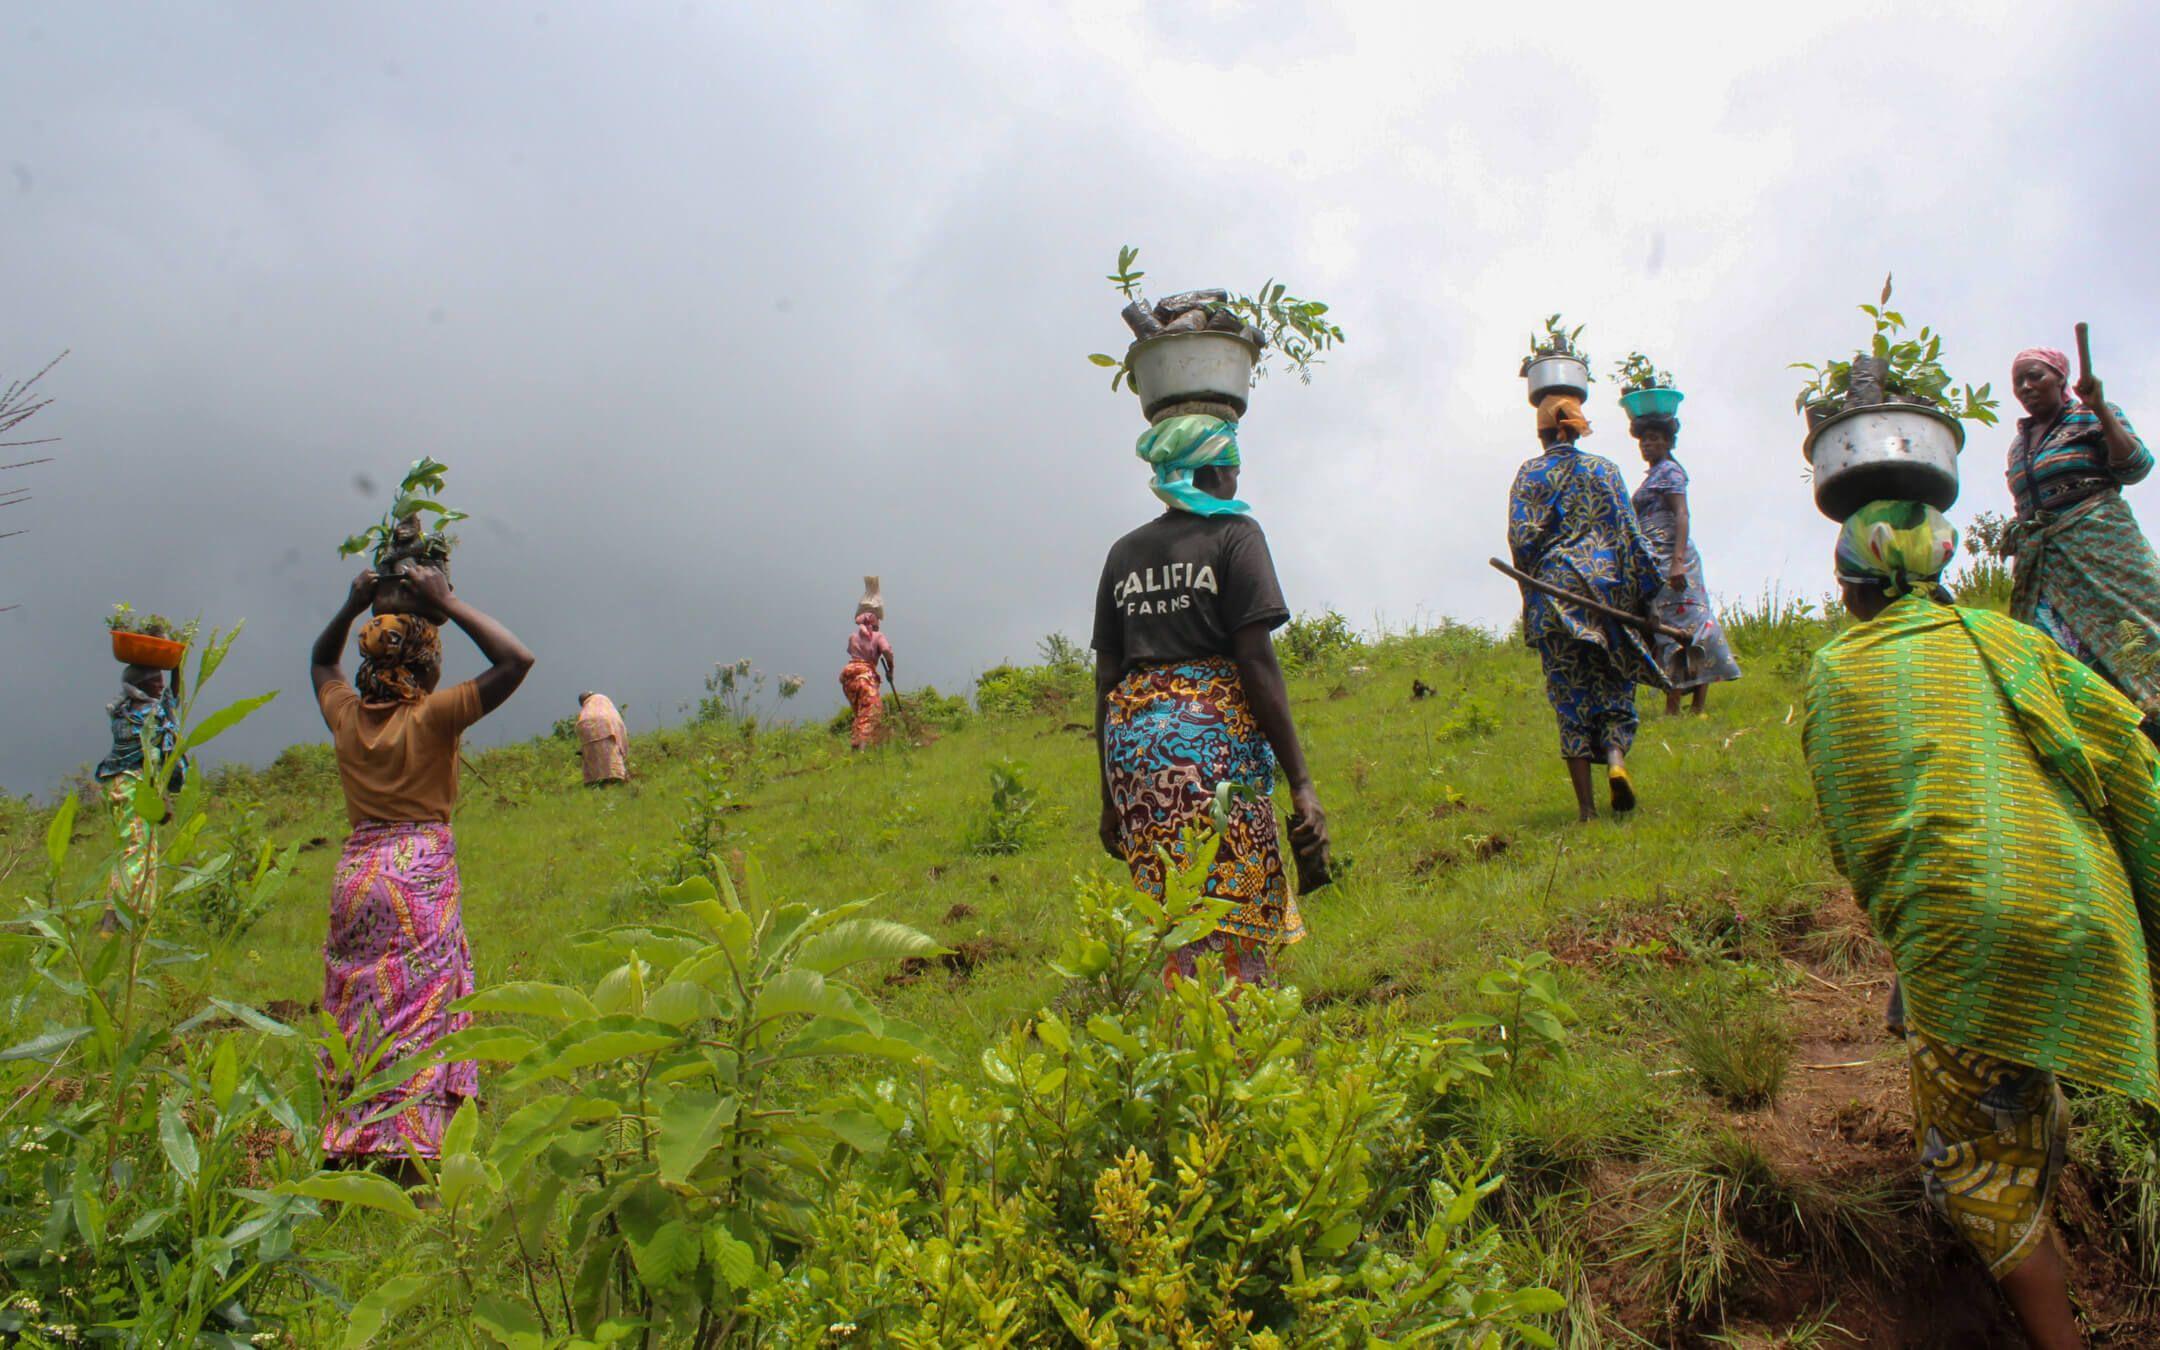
point(1895, 545)
point(1178, 445)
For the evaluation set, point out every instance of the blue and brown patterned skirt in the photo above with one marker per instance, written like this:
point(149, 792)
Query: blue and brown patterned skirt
point(1172, 733)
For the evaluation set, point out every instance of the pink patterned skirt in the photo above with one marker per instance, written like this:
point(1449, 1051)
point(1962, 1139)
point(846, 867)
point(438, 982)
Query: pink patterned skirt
point(395, 961)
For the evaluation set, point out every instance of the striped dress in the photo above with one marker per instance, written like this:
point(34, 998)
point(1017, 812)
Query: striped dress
point(1997, 812)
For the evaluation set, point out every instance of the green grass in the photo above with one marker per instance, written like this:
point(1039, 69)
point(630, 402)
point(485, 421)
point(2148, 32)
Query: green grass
point(1456, 845)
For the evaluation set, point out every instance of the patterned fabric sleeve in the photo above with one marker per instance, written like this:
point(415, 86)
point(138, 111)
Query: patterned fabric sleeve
point(2140, 463)
point(1530, 514)
point(1666, 476)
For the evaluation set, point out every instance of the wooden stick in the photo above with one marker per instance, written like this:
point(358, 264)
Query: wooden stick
point(2084, 353)
point(1648, 625)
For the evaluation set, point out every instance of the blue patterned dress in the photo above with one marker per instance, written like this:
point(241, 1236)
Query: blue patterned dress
point(1687, 610)
point(1570, 525)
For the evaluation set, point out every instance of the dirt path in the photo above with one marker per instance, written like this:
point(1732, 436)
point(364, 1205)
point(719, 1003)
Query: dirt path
point(1844, 1119)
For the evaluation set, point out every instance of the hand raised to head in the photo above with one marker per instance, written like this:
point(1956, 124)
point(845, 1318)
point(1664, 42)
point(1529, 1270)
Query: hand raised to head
point(363, 588)
point(431, 585)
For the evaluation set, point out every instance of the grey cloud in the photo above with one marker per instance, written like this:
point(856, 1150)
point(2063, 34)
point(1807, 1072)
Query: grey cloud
point(713, 311)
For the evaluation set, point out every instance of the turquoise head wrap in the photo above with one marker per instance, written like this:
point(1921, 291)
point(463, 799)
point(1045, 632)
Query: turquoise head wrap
point(1178, 445)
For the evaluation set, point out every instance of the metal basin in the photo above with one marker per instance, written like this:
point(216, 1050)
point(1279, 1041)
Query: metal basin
point(1183, 367)
point(1885, 452)
point(1557, 375)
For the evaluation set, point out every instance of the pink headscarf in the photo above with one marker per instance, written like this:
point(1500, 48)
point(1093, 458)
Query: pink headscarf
point(2046, 356)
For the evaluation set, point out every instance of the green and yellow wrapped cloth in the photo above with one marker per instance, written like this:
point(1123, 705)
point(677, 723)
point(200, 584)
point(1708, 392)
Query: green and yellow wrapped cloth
point(1997, 811)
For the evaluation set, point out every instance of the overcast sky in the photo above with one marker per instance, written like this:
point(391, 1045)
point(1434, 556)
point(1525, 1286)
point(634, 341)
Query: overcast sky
point(713, 309)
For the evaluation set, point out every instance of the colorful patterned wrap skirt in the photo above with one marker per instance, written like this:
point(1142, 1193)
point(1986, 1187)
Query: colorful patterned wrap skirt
point(131, 879)
point(859, 681)
point(1172, 732)
point(395, 961)
point(1992, 1139)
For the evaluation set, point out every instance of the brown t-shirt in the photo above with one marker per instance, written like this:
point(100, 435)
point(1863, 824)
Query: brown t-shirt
point(399, 761)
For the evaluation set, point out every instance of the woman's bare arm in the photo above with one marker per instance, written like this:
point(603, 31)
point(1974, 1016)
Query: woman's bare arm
point(325, 661)
point(511, 660)
point(1269, 698)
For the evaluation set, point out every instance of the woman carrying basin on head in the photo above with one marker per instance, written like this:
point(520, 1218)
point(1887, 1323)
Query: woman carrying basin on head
point(2021, 965)
point(1661, 505)
point(396, 956)
point(1188, 696)
point(1570, 525)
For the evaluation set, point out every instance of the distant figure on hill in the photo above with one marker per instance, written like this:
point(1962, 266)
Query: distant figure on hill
point(603, 740)
point(396, 957)
point(2084, 573)
point(1661, 505)
point(1570, 525)
point(1188, 697)
point(149, 700)
point(1995, 807)
point(867, 651)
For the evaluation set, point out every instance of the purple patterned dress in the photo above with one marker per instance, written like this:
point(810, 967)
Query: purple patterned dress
point(1687, 610)
point(395, 961)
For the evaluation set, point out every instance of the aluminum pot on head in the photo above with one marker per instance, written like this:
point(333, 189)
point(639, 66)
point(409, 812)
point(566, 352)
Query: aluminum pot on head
point(1210, 367)
point(1557, 375)
point(1885, 452)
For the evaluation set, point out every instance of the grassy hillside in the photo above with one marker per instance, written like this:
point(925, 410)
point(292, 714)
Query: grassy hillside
point(1699, 1120)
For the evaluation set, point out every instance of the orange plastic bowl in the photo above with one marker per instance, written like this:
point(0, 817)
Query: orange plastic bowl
point(141, 649)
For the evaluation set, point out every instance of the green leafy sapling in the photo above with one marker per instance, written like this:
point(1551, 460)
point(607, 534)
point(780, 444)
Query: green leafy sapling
point(1557, 340)
point(1640, 372)
point(1911, 370)
point(400, 534)
point(1272, 319)
point(124, 619)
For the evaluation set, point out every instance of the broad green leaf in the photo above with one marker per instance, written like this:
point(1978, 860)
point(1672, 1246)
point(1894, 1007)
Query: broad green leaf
point(678, 1003)
point(61, 832)
point(805, 993)
point(859, 1130)
point(668, 1256)
point(857, 940)
point(506, 1320)
point(692, 1124)
point(178, 1142)
point(223, 720)
point(594, 1041)
point(1106, 362)
point(737, 1264)
point(459, 1176)
point(385, 1301)
point(365, 1189)
point(528, 1132)
point(259, 1021)
point(530, 998)
point(688, 893)
point(224, 1073)
point(495, 1045)
point(44, 1046)
point(464, 1127)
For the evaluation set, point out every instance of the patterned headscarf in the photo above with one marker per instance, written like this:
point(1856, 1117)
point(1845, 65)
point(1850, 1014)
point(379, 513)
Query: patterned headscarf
point(2046, 356)
point(1178, 445)
point(394, 649)
point(1562, 410)
point(1899, 546)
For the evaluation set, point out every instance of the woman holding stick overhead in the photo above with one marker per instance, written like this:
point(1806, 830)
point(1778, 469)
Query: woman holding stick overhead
point(1570, 526)
point(396, 957)
point(2084, 572)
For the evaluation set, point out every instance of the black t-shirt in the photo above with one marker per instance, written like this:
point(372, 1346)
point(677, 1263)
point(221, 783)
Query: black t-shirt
point(1180, 586)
